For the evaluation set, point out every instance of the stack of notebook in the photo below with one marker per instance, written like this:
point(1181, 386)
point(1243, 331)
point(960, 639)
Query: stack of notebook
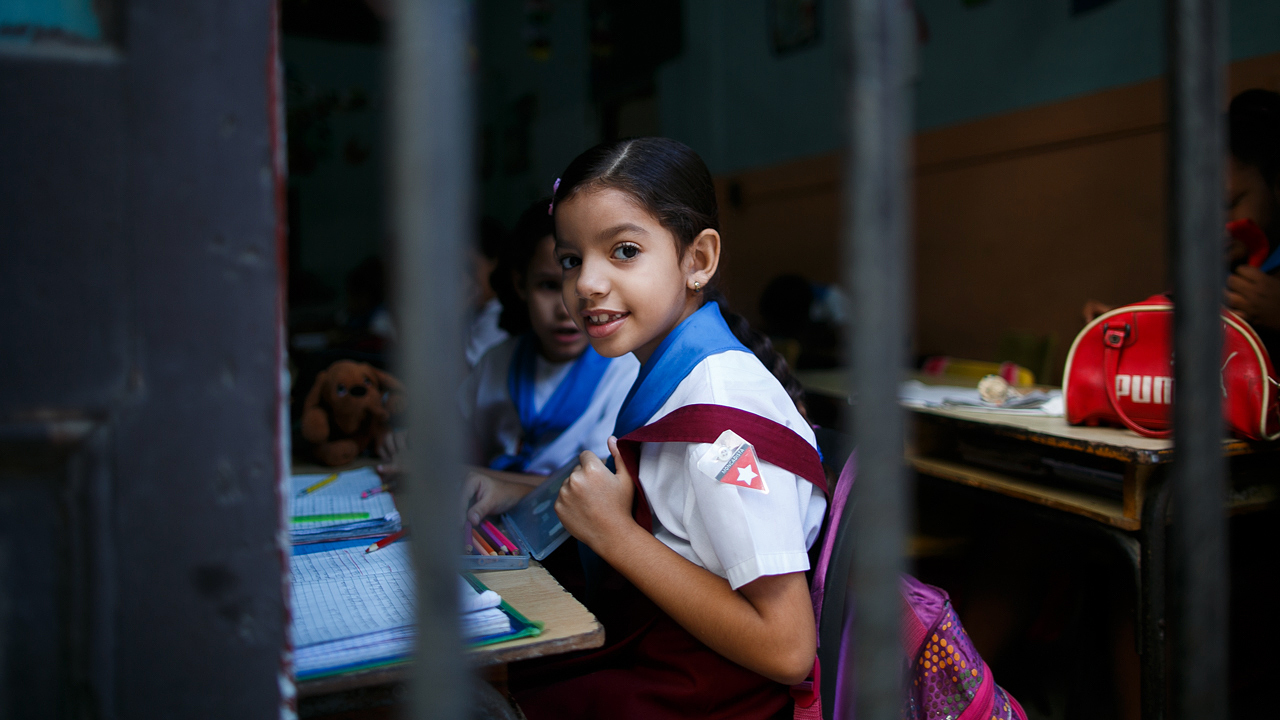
point(353, 610)
point(481, 612)
point(336, 510)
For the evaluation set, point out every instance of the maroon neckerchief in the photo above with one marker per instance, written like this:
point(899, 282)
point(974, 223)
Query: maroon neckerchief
point(774, 442)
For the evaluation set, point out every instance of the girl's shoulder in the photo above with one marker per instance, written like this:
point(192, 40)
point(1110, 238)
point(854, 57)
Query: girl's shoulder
point(738, 379)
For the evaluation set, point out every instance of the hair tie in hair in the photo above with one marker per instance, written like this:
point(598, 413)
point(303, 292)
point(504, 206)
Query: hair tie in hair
point(555, 187)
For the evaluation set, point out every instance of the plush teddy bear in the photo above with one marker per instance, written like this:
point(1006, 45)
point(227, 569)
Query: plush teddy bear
point(349, 408)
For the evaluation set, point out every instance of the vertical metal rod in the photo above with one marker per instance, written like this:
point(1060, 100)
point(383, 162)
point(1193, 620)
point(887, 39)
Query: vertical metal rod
point(431, 213)
point(1198, 552)
point(876, 238)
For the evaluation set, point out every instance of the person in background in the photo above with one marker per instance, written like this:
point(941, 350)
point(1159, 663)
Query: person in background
point(538, 399)
point(1253, 193)
point(483, 331)
point(802, 319)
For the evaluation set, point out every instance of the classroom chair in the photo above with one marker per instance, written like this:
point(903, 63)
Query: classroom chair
point(835, 448)
point(924, 608)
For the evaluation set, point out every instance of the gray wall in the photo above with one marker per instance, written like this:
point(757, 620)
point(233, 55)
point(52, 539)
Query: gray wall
point(742, 106)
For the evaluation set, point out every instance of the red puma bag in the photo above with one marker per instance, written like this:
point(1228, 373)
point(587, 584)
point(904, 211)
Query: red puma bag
point(1119, 372)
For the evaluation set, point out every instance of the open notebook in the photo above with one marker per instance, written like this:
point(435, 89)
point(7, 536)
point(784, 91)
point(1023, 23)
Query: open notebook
point(354, 610)
point(336, 511)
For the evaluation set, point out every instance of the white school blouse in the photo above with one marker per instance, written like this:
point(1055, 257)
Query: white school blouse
point(737, 533)
point(495, 425)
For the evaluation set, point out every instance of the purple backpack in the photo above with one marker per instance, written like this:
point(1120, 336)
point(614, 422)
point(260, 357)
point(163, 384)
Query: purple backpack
point(948, 679)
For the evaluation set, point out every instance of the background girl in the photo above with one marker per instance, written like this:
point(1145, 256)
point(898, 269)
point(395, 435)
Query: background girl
point(707, 610)
point(541, 397)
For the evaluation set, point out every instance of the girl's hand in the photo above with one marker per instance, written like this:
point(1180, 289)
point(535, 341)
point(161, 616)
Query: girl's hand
point(1255, 296)
point(483, 496)
point(595, 504)
point(391, 445)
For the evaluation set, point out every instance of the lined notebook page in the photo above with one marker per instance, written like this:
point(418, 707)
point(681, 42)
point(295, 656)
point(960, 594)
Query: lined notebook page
point(339, 497)
point(340, 593)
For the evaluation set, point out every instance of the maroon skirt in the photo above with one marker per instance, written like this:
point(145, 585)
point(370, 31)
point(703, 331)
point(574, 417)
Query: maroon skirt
point(649, 669)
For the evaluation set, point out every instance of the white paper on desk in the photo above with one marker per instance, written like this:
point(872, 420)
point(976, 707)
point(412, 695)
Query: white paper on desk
point(914, 393)
point(341, 593)
point(339, 497)
point(472, 600)
point(485, 623)
point(374, 647)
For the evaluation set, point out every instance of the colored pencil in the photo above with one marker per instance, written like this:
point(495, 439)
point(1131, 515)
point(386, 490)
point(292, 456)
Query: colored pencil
point(494, 542)
point(310, 489)
point(466, 537)
point(370, 493)
point(385, 541)
point(330, 516)
point(481, 544)
point(511, 547)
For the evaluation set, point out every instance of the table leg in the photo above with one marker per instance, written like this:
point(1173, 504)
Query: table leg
point(1136, 479)
point(1152, 621)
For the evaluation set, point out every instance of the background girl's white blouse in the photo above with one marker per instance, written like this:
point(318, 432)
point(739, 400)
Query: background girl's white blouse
point(494, 423)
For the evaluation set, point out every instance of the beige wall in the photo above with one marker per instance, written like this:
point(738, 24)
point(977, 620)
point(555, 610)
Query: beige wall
point(1019, 218)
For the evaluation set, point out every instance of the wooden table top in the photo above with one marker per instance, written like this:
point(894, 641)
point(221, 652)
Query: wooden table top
point(535, 594)
point(1109, 442)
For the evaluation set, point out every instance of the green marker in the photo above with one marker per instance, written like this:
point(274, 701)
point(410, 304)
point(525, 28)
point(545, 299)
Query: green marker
point(331, 516)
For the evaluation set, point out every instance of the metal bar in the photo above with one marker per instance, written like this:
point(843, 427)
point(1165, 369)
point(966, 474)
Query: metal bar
point(431, 184)
point(876, 237)
point(1197, 538)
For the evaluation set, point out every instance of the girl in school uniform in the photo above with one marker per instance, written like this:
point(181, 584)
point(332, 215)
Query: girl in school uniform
point(694, 543)
point(537, 400)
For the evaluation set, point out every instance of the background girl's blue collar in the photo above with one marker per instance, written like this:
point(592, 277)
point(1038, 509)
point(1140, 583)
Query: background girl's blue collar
point(562, 409)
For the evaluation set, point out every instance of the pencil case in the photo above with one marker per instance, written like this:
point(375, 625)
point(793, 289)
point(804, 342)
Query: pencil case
point(532, 525)
point(500, 562)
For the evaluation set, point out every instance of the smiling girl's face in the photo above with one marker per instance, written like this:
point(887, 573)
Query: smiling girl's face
point(626, 282)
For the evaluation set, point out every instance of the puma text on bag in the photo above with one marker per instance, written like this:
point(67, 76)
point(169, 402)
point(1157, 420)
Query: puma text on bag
point(1119, 371)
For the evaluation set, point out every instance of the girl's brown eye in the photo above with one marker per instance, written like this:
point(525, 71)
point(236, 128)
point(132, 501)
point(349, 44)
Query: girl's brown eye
point(626, 252)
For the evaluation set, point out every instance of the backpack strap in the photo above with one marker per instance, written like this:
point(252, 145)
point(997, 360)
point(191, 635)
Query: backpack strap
point(774, 442)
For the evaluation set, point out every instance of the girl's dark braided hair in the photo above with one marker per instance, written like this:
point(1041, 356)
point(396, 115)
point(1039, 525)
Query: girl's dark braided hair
point(671, 182)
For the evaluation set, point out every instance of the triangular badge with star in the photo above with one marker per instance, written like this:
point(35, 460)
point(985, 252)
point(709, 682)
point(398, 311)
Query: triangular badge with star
point(733, 461)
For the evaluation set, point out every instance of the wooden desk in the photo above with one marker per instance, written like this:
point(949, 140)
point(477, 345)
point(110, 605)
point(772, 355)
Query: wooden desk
point(568, 626)
point(939, 433)
point(937, 453)
point(1007, 454)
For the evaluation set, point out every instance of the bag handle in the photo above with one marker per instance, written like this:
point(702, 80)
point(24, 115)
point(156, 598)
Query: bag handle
point(1113, 342)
